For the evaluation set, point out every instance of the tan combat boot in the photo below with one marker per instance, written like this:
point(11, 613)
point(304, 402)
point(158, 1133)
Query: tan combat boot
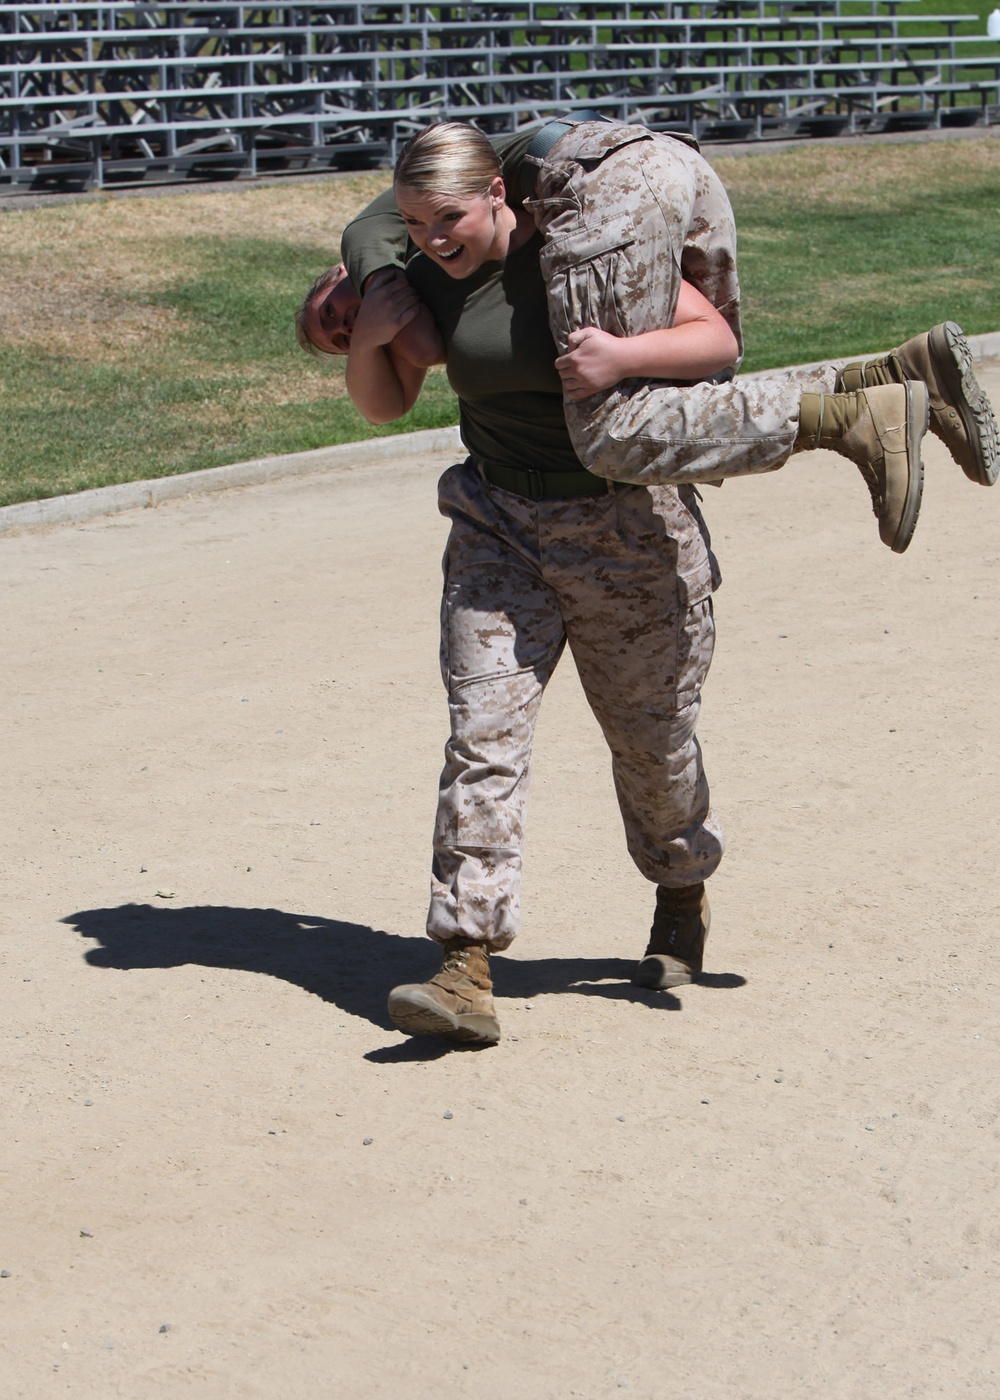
point(961, 414)
point(677, 938)
point(880, 431)
point(457, 1002)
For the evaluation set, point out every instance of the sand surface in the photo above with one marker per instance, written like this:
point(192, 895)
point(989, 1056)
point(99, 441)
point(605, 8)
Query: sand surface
point(226, 1175)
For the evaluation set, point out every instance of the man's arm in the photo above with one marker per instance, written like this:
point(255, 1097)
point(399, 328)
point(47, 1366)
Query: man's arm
point(374, 240)
point(698, 345)
point(375, 243)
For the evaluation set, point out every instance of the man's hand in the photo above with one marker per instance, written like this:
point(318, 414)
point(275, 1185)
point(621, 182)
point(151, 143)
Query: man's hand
point(395, 316)
point(388, 305)
point(592, 362)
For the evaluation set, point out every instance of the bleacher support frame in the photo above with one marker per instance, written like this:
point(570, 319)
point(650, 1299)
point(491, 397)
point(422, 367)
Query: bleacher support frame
point(97, 94)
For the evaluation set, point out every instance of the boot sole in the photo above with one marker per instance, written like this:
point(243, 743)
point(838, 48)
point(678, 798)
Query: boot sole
point(651, 974)
point(417, 1013)
point(917, 418)
point(953, 362)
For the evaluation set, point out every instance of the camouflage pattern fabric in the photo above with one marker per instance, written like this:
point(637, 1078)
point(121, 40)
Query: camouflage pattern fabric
point(626, 580)
point(626, 213)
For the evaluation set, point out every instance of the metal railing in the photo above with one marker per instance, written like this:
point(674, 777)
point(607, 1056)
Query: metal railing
point(93, 94)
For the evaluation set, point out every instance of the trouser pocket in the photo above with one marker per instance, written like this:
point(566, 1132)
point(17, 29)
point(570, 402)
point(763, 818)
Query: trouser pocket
point(590, 273)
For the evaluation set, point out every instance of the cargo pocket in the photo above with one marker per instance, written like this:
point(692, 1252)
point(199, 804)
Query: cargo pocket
point(695, 632)
point(589, 272)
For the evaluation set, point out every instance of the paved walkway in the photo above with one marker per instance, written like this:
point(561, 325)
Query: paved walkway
point(226, 1175)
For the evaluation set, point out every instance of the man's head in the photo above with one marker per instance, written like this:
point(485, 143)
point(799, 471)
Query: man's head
point(325, 320)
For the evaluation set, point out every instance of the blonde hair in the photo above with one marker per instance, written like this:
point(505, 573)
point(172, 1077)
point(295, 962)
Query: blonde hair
point(324, 280)
point(448, 158)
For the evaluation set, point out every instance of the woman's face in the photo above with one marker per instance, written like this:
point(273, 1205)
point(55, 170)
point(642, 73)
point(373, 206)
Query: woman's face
point(459, 234)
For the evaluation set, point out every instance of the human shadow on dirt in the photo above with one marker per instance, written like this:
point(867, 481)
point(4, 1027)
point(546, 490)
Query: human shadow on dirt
point(350, 965)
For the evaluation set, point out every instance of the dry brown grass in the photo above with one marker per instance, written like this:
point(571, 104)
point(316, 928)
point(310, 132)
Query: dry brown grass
point(77, 275)
point(847, 177)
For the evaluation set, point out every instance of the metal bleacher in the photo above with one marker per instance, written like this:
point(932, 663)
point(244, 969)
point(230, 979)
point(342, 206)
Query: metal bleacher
point(96, 94)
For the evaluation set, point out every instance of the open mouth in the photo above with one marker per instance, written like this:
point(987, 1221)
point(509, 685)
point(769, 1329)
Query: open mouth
point(452, 253)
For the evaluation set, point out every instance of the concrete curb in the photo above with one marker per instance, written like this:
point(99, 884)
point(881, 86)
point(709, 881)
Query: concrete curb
point(138, 495)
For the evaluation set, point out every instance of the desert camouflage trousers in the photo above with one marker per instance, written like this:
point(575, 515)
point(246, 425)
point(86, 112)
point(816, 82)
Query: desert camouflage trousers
point(626, 579)
point(627, 213)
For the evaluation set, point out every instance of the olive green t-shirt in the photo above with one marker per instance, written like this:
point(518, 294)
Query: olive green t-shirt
point(500, 359)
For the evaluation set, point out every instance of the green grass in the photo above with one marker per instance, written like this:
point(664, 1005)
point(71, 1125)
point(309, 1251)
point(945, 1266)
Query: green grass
point(136, 348)
point(69, 427)
point(823, 280)
point(202, 400)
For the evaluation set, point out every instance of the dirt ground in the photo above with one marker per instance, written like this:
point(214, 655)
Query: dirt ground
point(227, 1175)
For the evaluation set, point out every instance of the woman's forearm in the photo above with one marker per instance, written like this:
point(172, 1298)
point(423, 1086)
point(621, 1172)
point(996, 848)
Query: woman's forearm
point(382, 379)
point(695, 350)
point(382, 386)
point(420, 342)
point(698, 345)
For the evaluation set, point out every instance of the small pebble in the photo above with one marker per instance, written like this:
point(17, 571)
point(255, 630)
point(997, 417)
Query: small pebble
point(88, 1103)
point(367, 1142)
point(87, 1234)
point(523, 1201)
point(704, 1100)
point(164, 1326)
point(447, 1113)
point(779, 1079)
point(869, 1127)
point(4, 1273)
point(621, 1118)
